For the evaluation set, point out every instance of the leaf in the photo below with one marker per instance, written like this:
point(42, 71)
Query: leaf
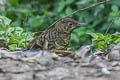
point(68, 10)
point(100, 35)
point(117, 22)
point(107, 38)
point(61, 6)
point(101, 46)
point(75, 38)
point(115, 8)
point(69, 1)
point(12, 47)
point(14, 2)
point(102, 42)
point(5, 20)
point(115, 13)
point(94, 35)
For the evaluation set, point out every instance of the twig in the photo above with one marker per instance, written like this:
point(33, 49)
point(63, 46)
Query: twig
point(112, 22)
point(83, 9)
point(110, 25)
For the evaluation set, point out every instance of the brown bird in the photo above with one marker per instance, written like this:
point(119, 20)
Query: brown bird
point(55, 38)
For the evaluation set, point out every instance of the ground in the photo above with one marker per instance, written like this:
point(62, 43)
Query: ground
point(16, 66)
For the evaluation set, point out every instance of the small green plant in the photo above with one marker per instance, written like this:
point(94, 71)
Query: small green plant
point(102, 42)
point(14, 37)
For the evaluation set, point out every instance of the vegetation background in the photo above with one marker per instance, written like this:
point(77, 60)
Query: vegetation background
point(37, 15)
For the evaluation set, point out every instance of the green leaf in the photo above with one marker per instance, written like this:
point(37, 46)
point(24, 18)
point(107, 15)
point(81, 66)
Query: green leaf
point(117, 22)
point(61, 6)
point(12, 47)
point(115, 8)
point(102, 42)
point(115, 13)
point(68, 10)
point(94, 35)
point(75, 38)
point(69, 1)
point(100, 35)
point(101, 46)
point(5, 20)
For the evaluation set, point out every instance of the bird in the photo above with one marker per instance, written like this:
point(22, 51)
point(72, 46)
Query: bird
point(57, 37)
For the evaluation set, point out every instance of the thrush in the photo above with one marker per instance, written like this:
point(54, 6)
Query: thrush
point(55, 38)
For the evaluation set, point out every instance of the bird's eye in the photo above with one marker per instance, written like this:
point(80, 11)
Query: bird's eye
point(70, 24)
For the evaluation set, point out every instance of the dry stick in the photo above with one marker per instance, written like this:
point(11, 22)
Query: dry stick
point(83, 9)
point(109, 27)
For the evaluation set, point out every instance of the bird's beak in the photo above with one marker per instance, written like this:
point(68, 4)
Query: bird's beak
point(81, 24)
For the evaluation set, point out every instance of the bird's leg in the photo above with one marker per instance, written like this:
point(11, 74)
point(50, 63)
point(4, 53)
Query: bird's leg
point(45, 46)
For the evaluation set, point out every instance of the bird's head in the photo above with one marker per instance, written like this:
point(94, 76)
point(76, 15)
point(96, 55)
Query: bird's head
point(68, 25)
